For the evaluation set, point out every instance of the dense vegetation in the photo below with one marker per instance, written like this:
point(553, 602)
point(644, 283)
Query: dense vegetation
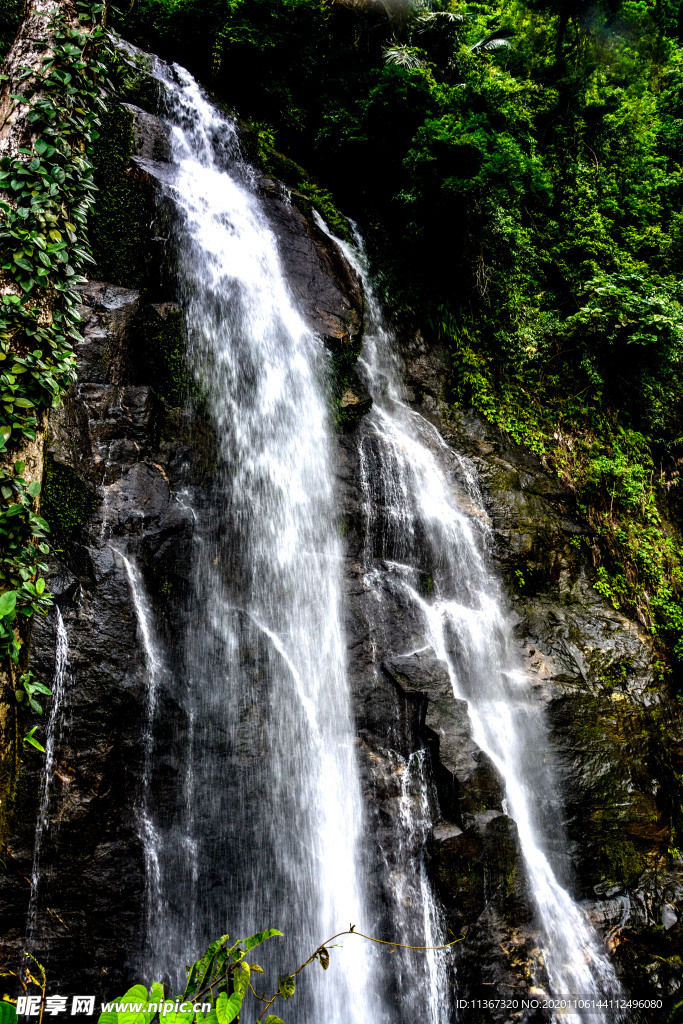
point(45, 195)
point(517, 166)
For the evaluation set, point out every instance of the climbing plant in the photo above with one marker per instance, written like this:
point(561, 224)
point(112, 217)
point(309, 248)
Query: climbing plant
point(217, 985)
point(46, 193)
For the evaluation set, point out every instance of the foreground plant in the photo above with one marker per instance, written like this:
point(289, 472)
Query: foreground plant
point(217, 985)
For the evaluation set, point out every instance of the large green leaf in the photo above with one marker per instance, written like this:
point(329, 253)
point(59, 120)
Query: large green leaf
point(227, 1007)
point(134, 997)
point(8, 1012)
point(8, 602)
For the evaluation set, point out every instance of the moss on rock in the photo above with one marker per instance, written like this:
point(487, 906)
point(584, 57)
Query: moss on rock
point(67, 502)
point(161, 330)
point(120, 224)
point(307, 194)
point(623, 823)
point(137, 83)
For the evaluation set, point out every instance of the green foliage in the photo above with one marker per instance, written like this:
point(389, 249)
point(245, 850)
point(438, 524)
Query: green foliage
point(28, 687)
point(48, 191)
point(221, 978)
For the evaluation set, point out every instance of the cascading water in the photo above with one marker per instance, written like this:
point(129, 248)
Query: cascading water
point(417, 534)
point(52, 735)
point(261, 827)
point(425, 995)
point(154, 665)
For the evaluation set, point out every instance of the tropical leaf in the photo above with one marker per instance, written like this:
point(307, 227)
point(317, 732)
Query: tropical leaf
point(227, 1007)
point(494, 41)
point(433, 19)
point(409, 57)
point(8, 1012)
point(259, 937)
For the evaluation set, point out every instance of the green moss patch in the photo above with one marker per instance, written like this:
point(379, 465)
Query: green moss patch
point(120, 224)
point(161, 330)
point(67, 502)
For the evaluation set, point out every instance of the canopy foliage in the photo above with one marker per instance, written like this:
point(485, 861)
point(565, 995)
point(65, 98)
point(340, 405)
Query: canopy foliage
point(517, 166)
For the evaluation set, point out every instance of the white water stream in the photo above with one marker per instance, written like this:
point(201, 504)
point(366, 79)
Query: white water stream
point(52, 735)
point(420, 497)
point(265, 832)
point(147, 831)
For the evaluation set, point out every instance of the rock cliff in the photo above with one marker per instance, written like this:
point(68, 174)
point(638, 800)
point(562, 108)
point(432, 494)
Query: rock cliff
point(121, 453)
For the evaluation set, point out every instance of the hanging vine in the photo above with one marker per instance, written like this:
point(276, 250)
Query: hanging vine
point(46, 193)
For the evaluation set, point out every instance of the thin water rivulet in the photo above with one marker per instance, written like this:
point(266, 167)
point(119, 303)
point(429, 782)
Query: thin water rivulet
point(52, 736)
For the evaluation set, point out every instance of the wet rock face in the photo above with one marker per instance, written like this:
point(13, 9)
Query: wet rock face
point(617, 737)
point(468, 782)
point(328, 291)
point(117, 460)
point(87, 924)
point(405, 709)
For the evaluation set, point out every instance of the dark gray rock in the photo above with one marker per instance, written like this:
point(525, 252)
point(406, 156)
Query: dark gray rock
point(467, 780)
point(151, 135)
point(327, 289)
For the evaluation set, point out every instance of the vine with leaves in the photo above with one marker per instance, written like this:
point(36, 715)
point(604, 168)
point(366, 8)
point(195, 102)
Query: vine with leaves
point(219, 981)
point(46, 193)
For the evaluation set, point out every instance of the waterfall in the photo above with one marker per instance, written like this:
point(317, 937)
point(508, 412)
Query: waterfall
point(427, 534)
point(52, 735)
point(425, 992)
point(147, 831)
point(259, 824)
